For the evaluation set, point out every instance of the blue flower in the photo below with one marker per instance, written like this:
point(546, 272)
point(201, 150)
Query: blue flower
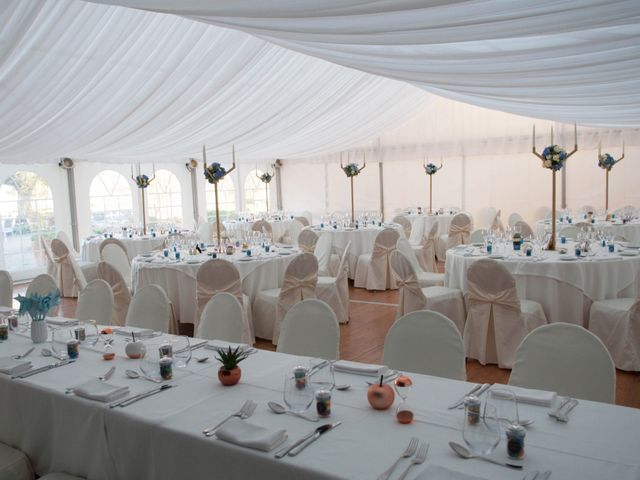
point(430, 169)
point(554, 157)
point(214, 172)
point(351, 169)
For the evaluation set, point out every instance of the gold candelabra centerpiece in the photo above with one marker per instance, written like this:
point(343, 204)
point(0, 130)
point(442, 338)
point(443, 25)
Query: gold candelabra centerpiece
point(266, 178)
point(351, 170)
point(213, 173)
point(142, 181)
point(607, 162)
point(554, 158)
point(430, 169)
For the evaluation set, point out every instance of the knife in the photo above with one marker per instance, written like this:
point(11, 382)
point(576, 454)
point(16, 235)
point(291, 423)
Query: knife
point(44, 369)
point(480, 391)
point(128, 401)
point(459, 402)
point(319, 431)
point(281, 453)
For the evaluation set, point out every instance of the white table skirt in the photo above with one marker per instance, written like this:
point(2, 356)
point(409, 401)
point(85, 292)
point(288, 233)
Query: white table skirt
point(630, 231)
point(135, 246)
point(443, 222)
point(178, 279)
point(159, 438)
point(362, 240)
point(563, 288)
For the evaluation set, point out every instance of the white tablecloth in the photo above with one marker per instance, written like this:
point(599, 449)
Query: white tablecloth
point(565, 289)
point(159, 438)
point(630, 231)
point(237, 228)
point(178, 279)
point(135, 246)
point(362, 240)
point(443, 222)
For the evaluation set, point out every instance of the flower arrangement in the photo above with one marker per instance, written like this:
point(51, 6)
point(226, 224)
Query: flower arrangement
point(554, 157)
point(266, 177)
point(37, 305)
point(606, 161)
point(142, 181)
point(430, 169)
point(351, 169)
point(214, 172)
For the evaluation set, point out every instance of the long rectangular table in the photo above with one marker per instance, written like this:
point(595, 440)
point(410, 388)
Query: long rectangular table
point(160, 437)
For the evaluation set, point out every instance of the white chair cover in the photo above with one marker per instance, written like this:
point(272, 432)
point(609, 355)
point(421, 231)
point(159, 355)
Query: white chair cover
point(323, 253)
point(293, 231)
point(223, 318)
point(617, 323)
point(417, 231)
point(425, 342)
point(52, 267)
point(477, 236)
point(404, 223)
point(14, 464)
point(205, 232)
point(218, 276)
point(525, 230)
point(372, 270)
point(121, 293)
point(43, 284)
point(307, 240)
point(62, 235)
point(6, 289)
point(262, 226)
point(310, 328)
point(425, 279)
point(66, 277)
point(447, 301)
point(571, 232)
point(113, 251)
point(427, 254)
point(95, 302)
point(459, 233)
point(303, 220)
point(150, 308)
point(496, 323)
point(566, 359)
point(496, 224)
point(515, 218)
point(307, 214)
point(334, 291)
point(485, 216)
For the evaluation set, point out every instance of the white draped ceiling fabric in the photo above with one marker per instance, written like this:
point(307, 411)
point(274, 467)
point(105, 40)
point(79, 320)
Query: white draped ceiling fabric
point(561, 60)
point(114, 84)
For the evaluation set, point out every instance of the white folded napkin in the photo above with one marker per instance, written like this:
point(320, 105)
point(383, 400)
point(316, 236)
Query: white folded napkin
point(100, 391)
point(346, 366)
point(61, 321)
point(534, 397)
point(250, 435)
point(140, 332)
point(11, 366)
point(436, 472)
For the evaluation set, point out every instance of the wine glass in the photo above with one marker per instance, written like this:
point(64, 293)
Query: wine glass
point(298, 393)
point(505, 404)
point(181, 351)
point(322, 378)
point(481, 433)
point(150, 363)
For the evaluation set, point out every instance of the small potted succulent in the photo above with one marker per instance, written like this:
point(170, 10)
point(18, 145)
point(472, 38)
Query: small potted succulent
point(229, 373)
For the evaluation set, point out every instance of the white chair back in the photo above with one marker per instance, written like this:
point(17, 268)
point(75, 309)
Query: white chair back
point(6, 289)
point(515, 218)
point(150, 308)
point(115, 253)
point(95, 302)
point(205, 232)
point(379, 276)
point(62, 235)
point(310, 328)
point(262, 226)
point(43, 284)
point(494, 326)
point(65, 280)
point(567, 359)
point(404, 247)
point(477, 236)
point(417, 231)
point(52, 267)
point(525, 230)
point(303, 220)
point(216, 276)
point(496, 224)
point(425, 342)
point(322, 252)
point(121, 293)
point(307, 240)
point(222, 319)
point(411, 296)
point(485, 217)
point(404, 223)
point(459, 230)
point(300, 280)
point(343, 267)
point(428, 254)
point(293, 232)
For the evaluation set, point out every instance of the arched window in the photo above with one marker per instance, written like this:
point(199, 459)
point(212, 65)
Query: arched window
point(164, 199)
point(226, 199)
point(110, 201)
point(255, 193)
point(26, 215)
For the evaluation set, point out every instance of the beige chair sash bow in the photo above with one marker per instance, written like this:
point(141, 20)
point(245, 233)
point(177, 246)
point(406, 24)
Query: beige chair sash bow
point(411, 296)
point(428, 256)
point(459, 230)
point(66, 277)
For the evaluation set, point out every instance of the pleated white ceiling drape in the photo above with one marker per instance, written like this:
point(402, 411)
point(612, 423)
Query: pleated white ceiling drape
point(114, 84)
point(561, 60)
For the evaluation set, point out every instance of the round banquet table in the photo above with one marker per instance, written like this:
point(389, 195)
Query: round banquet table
point(630, 230)
point(443, 222)
point(135, 246)
point(362, 240)
point(565, 288)
point(178, 278)
point(239, 228)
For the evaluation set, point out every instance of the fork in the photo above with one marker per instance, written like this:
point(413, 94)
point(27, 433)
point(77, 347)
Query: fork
point(557, 411)
point(419, 459)
point(563, 415)
point(408, 452)
point(245, 412)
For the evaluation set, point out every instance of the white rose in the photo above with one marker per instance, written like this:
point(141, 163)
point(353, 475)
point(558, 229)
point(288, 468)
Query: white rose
point(547, 164)
point(556, 158)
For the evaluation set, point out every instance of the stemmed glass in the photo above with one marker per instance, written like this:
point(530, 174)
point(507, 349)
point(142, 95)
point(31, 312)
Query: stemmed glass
point(322, 378)
point(505, 405)
point(181, 351)
point(481, 433)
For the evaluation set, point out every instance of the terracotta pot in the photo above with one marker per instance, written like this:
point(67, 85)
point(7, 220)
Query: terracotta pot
point(229, 377)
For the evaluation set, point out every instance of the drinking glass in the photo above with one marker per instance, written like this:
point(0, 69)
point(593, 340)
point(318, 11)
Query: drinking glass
point(505, 404)
point(297, 395)
point(59, 352)
point(482, 435)
point(181, 351)
point(150, 363)
point(322, 378)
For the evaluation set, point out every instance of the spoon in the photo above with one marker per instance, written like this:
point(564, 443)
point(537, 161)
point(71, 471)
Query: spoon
point(134, 374)
point(464, 453)
point(202, 360)
point(343, 387)
point(279, 409)
point(22, 355)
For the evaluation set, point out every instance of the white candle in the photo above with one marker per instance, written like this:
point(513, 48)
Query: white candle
point(552, 135)
point(204, 156)
point(623, 148)
point(534, 136)
point(575, 134)
point(599, 148)
point(233, 153)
